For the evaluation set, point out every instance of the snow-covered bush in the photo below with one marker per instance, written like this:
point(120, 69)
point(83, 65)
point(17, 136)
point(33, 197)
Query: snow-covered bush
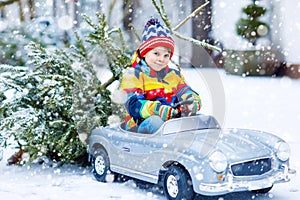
point(12, 42)
point(15, 37)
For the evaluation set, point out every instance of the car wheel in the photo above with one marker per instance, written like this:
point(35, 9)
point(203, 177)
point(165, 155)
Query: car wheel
point(177, 184)
point(100, 165)
point(263, 191)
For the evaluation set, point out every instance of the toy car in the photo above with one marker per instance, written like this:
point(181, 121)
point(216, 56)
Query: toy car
point(190, 155)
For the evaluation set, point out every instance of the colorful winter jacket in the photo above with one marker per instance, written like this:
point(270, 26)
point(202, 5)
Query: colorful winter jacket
point(146, 88)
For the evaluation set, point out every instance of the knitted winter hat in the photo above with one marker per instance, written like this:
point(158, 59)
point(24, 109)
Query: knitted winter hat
point(155, 35)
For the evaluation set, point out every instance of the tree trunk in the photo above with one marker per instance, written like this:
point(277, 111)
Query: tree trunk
point(201, 30)
point(76, 13)
point(54, 7)
point(66, 5)
point(2, 13)
point(31, 9)
point(129, 8)
point(22, 16)
point(99, 3)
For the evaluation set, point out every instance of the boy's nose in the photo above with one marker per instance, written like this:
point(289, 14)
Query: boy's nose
point(161, 58)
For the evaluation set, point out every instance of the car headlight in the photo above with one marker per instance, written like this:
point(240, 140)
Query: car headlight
point(218, 161)
point(282, 151)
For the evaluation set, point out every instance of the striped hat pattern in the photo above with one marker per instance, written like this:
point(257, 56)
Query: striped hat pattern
point(155, 35)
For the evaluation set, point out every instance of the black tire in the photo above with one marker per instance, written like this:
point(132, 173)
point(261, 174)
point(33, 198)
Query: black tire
point(263, 191)
point(177, 184)
point(101, 166)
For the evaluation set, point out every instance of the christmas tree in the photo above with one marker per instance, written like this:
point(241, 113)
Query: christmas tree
point(59, 102)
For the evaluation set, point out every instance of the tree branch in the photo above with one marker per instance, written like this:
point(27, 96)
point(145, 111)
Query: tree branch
point(197, 42)
point(193, 14)
point(8, 2)
point(164, 17)
point(162, 13)
point(134, 31)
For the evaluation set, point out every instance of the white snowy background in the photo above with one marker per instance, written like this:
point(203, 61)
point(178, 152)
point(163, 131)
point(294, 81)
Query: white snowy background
point(262, 103)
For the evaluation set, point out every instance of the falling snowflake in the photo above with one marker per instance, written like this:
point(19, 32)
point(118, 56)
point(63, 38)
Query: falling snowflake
point(65, 22)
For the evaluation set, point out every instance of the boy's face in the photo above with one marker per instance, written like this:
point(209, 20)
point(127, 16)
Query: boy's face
point(158, 58)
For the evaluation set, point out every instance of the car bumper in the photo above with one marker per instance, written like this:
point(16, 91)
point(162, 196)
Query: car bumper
point(232, 185)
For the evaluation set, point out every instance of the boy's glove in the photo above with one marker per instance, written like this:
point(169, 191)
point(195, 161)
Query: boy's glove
point(165, 112)
point(195, 106)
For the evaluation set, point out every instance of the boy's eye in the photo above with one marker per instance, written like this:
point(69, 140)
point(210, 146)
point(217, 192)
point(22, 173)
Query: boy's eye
point(167, 55)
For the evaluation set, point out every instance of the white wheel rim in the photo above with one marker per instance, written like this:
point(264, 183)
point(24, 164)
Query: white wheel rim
point(172, 186)
point(100, 165)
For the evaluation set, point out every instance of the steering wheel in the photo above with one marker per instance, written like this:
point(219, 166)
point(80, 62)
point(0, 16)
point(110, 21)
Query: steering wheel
point(185, 112)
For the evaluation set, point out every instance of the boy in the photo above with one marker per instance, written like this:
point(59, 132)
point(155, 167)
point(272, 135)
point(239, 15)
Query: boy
point(151, 86)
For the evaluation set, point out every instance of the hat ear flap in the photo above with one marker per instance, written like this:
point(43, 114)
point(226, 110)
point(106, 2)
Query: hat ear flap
point(136, 58)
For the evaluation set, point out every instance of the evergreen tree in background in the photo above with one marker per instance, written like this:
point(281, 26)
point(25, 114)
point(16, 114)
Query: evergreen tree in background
point(59, 102)
point(251, 27)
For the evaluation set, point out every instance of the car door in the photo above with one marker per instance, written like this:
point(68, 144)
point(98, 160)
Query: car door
point(128, 150)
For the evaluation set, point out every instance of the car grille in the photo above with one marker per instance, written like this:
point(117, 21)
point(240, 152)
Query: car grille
point(252, 168)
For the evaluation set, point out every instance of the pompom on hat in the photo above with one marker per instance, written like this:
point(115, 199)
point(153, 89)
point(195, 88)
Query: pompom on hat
point(155, 35)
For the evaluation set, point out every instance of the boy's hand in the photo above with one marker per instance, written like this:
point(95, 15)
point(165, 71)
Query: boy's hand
point(195, 106)
point(165, 112)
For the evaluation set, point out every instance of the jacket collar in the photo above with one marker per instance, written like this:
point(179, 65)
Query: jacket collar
point(152, 73)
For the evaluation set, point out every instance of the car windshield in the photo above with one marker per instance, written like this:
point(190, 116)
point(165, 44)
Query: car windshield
point(190, 123)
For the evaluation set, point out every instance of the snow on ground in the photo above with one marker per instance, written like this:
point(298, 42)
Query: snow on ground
point(262, 103)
